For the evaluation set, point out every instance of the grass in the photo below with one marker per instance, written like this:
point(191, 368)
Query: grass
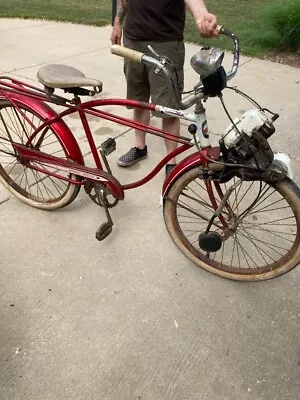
point(242, 16)
point(91, 12)
point(284, 17)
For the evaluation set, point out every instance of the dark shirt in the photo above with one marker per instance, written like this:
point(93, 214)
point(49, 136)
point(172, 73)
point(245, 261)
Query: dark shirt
point(155, 20)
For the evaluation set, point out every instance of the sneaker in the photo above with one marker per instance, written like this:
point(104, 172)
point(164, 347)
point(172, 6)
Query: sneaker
point(132, 156)
point(169, 168)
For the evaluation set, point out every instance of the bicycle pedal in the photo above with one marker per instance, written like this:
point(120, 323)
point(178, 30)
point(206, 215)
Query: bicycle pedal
point(103, 231)
point(108, 146)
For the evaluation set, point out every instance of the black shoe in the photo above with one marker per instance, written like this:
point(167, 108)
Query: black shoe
point(134, 155)
point(169, 168)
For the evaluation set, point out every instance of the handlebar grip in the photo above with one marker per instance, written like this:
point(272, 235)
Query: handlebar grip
point(126, 53)
point(225, 31)
point(218, 29)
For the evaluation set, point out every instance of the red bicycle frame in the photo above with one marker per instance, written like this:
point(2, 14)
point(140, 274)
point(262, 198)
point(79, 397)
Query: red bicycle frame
point(20, 93)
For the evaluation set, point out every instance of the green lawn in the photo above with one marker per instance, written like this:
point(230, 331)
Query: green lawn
point(90, 12)
point(242, 16)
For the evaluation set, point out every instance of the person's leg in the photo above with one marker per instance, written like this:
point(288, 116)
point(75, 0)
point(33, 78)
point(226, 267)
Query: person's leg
point(171, 125)
point(138, 88)
point(139, 152)
point(160, 94)
point(142, 116)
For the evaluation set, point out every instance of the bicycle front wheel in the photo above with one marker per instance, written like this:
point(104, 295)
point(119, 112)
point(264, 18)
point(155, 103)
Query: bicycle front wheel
point(33, 187)
point(259, 226)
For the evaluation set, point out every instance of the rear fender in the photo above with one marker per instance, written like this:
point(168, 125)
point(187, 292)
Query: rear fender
point(42, 109)
point(65, 135)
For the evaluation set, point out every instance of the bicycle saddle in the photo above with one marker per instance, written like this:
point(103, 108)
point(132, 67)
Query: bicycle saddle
point(60, 76)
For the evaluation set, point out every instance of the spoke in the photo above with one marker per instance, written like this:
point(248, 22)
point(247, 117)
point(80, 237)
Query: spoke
point(196, 213)
point(195, 241)
point(5, 144)
point(269, 205)
point(49, 144)
point(202, 203)
point(277, 234)
point(258, 248)
point(246, 236)
point(7, 128)
point(59, 189)
point(26, 181)
point(232, 256)
point(253, 239)
point(223, 249)
point(13, 167)
point(47, 189)
point(237, 205)
point(245, 252)
point(13, 120)
point(8, 164)
point(21, 173)
point(187, 216)
point(47, 132)
point(238, 254)
point(275, 220)
point(197, 183)
point(257, 226)
point(22, 121)
point(261, 197)
point(237, 192)
point(271, 209)
point(38, 189)
point(192, 222)
point(268, 244)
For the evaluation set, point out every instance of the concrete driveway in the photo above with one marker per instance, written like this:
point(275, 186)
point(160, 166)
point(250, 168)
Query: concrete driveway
point(131, 318)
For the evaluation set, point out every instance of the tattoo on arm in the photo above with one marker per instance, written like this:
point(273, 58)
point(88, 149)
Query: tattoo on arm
point(122, 9)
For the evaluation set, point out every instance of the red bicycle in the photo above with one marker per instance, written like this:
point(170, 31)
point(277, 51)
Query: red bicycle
point(231, 209)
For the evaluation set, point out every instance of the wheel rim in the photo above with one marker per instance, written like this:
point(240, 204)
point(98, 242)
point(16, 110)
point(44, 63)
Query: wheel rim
point(17, 127)
point(265, 238)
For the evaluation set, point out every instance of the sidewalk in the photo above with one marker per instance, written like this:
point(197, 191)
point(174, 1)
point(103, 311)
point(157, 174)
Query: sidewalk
point(131, 318)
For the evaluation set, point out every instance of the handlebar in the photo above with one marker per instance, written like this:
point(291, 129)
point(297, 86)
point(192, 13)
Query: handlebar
point(162, 65)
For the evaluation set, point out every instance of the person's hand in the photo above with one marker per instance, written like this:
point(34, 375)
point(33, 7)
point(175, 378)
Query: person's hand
point(207, 25)
point(116, 34)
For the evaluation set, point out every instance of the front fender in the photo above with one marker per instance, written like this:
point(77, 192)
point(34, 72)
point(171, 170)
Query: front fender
point(193, 160)
point(43, 110)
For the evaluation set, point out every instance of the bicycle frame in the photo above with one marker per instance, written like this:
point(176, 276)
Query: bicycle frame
point(17, 90)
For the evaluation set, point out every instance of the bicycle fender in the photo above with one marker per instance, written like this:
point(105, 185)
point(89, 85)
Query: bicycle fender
point(60, 127)
point(191, 161)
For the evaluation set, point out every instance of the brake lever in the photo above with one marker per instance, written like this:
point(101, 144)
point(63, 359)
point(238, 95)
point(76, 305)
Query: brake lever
point(153, 51)
point(163, 60)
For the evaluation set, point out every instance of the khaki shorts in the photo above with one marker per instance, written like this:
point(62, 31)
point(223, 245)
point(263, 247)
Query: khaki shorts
point(143, 83)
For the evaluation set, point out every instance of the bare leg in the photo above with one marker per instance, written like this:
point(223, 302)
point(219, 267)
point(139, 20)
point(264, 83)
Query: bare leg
point(171, 125)
point(142, 116)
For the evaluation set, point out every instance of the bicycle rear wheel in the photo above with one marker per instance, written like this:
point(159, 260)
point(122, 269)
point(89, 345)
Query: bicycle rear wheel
point(33, 187)
point(259, 226)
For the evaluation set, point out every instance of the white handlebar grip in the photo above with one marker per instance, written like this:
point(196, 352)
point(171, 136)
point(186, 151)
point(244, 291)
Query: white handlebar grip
point(126, 53)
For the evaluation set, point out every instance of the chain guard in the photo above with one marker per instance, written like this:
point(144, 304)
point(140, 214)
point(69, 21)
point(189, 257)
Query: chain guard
point(99, 193)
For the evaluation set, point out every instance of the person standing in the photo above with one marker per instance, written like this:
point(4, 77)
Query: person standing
point(160, 24)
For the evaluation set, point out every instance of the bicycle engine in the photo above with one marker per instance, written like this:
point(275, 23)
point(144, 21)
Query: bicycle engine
point(245, 141)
